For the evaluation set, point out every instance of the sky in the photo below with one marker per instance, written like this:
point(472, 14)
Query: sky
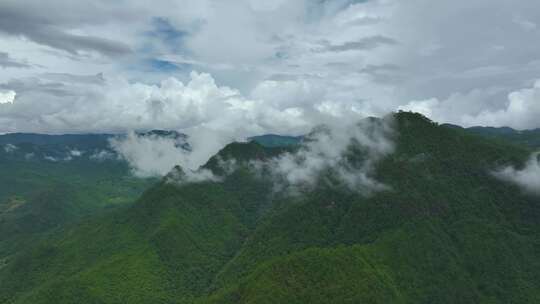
point(247, 67)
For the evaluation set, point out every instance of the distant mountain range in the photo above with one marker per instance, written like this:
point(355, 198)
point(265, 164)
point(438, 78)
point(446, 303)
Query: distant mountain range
point(529, 138)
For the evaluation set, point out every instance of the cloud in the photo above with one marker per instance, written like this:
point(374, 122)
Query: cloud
point(102, 155)
point(520, 110)
point(524, 23)
point(150, 155)
point(367, 43)
point(9, 148)
point(424, 107)
point(146, 43)
point(333, 155)
point(50, 158)
point(527, 178)
point(157, 156)
point(288, 93)
point(74, 44)
point(7, 62)
point(76, 153)
point(118, 105)
point(55, 27)
point(7, 97)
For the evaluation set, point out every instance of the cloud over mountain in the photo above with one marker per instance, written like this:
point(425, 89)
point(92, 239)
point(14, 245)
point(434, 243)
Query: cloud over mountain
point(528, 178)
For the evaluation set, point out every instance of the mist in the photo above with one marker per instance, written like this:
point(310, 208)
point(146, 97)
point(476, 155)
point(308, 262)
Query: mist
point(527, 178)
point(338, 154)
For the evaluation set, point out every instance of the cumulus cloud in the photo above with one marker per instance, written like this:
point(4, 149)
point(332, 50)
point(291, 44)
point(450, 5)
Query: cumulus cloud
point(119, 105)
point(527, 178)
point(520, 110)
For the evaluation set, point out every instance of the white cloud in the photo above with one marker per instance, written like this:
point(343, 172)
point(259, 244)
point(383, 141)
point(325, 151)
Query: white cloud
point(150, 155)
point(288, 93)
point(527, 178)
point(424, 107)
point(118, 105)
point(480, 107)
point(76, 153)
point(50, 158)
point(327, 151)
point(7, 97)
point(521, 111)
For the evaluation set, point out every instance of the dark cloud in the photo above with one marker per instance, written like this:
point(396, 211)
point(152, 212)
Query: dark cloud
point(70, 43)
point(17, 20)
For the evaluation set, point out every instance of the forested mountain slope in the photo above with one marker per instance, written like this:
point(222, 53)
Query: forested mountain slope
point(48, 181)
point(445, 230)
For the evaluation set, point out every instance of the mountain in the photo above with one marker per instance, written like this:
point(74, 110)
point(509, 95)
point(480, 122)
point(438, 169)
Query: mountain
point(444, 230)
point(272, 140)
point(529, 138)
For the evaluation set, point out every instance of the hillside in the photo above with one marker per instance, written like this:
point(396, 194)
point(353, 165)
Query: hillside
point(444, 231)
point(527, 138)
point(48, 181)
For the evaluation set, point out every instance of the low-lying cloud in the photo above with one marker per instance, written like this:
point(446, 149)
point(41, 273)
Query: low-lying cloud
point(332, 155)
point(527, 178)
point(156, 156)
point(150, 155)
point(9, 148)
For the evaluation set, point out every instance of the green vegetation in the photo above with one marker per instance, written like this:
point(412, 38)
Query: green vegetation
point(526, 138)
point(40, 196)
point(446, 232)
point(272, 140)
